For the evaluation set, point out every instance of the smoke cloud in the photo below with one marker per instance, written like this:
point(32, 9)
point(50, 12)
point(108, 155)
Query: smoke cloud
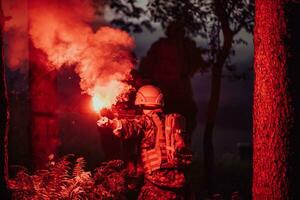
point(16, 30)
point(62, 29)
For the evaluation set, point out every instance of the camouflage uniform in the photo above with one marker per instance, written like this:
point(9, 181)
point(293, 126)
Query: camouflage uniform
point(166, 180)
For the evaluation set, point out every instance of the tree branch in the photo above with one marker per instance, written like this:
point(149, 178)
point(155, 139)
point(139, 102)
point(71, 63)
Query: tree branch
point(227, 32)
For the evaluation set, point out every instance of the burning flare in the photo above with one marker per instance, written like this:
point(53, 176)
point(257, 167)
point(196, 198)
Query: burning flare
point(106, 99)
point(99, 103)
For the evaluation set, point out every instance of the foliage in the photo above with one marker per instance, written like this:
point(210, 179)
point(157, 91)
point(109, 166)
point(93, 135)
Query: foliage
point(67, 179)
point(130, 15)
point(211, 20)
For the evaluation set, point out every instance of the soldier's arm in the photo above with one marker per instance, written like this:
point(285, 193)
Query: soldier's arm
point(126, 128)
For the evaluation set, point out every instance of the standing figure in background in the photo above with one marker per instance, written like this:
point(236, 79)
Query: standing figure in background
point(162, 150)
point(170, 63)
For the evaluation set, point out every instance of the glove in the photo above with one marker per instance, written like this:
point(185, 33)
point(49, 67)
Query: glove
point(104, 122)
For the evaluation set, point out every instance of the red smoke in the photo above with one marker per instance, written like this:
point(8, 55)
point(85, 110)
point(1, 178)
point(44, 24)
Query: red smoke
point(17, 32)
point(62, 29)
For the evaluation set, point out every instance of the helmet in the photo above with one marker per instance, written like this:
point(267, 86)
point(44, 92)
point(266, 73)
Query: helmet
point(150, 96)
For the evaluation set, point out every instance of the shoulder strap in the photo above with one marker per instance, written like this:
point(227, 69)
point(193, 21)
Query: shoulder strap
point(159, 130)
point(153, 158)
point(160, 143)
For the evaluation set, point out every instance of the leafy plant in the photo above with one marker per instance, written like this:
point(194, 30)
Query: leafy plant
point(67, 179)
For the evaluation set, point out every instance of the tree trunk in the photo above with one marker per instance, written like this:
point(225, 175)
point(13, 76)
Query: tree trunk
point(4, 119)
point(276, 100)
point(44, 125)
point(208, 149)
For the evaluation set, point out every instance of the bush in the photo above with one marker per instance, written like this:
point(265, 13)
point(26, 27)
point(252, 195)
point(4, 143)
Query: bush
point(67, 179)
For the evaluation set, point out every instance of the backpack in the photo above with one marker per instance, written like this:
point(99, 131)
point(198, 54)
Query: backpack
point(174, 129)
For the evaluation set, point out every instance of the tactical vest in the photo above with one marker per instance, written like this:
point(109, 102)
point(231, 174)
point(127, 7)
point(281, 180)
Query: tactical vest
point(165, 142)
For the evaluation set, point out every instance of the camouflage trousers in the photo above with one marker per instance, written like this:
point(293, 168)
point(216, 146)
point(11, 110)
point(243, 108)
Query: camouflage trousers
point(153, 192)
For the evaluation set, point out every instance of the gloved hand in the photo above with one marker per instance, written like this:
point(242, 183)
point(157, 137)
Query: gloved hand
point(104, 122)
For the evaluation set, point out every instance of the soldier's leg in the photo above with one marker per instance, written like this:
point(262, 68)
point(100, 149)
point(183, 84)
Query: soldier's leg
point(151, 192)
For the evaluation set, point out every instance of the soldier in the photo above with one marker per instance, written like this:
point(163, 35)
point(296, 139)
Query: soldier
point(162, 149)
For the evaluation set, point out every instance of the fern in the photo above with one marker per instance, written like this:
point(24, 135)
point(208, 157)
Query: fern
point(79, 167)
point(66, 179)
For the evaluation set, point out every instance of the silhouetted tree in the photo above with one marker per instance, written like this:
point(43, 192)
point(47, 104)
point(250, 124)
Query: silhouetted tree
point(231, 17)
point(4, 120)
point(170, 63)
point(276, 106)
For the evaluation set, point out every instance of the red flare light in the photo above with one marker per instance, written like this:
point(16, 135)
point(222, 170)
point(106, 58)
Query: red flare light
point(98, 103)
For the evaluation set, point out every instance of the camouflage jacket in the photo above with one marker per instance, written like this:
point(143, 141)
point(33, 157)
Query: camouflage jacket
point(143, 127)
